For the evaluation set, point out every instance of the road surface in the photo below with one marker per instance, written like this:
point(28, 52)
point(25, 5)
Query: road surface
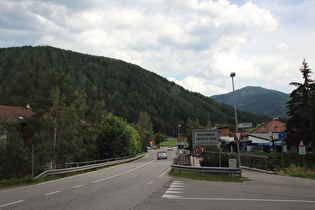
point(144, 184)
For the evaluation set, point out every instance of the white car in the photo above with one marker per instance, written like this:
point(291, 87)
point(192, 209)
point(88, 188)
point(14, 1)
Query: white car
point(161, 155)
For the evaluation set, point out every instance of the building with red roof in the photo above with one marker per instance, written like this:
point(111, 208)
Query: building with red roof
point(19, 113)
point(265, 138)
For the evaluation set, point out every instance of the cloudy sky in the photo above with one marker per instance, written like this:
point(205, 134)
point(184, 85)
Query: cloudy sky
point(195, 43)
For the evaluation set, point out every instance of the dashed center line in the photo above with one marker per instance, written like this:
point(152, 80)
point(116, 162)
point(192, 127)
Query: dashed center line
point(80, 185)
point(12, 203)
point(125, 172)
point(51, 193)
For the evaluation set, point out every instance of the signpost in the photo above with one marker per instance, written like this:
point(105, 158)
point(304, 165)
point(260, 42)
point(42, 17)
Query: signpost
point(180, 142)
point(302, 150)
point(245, 125)
point(197, 151)
point(238, 136)
point(282, 136)
point(205, 137)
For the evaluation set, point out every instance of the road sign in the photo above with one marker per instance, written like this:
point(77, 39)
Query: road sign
point(238, 135)
point(180, 139)
point(302, 149)
point(245, 125)
point(282, 136)
point(205, 137)
point(197, 151)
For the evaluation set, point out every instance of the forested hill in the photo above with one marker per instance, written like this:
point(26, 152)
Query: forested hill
point(258, 100)
point(126, 89)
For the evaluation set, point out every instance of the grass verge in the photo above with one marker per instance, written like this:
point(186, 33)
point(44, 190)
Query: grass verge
point(308, 175)
point(20, 182)
point(206, 176)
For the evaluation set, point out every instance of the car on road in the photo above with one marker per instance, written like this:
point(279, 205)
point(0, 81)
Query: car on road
point(161, 155)
point(170, 148)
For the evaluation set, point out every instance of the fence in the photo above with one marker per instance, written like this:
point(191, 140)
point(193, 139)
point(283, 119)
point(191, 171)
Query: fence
point(251, 161)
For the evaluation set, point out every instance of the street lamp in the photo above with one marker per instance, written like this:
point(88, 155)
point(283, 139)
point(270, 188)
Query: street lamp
point(232, 75)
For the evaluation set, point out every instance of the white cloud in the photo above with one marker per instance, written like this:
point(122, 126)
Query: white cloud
point(197, 43)
point(199, 85)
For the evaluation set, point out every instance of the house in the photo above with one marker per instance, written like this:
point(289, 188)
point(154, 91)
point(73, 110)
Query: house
point(19, 113)
point(265, 138)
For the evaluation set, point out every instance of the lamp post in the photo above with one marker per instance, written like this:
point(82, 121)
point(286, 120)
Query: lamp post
point(232, 75)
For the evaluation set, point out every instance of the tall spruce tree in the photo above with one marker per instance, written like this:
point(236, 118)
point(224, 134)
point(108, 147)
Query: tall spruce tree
point(300, 107)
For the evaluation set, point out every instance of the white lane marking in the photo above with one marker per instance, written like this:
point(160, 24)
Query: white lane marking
point(116, 175)
point(176, 187)
point(12, 203)
point(164, 172)
point(80, 185)
point(171, 196)
point(240, 199)
point(150, 182)
point(173, 191)
point(71, 177)
point(51, 193)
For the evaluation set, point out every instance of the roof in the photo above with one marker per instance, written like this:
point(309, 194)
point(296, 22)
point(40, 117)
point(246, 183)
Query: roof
point(274, 126)
point(7, 112)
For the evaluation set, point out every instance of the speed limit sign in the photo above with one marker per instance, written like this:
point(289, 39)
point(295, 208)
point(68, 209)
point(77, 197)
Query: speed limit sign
point(197, 151)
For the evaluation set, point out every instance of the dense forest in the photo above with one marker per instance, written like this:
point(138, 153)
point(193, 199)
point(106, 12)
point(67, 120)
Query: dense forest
point(126, 89)
point(89, 107)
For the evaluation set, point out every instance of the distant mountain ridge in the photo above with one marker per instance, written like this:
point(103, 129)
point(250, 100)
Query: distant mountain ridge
point(257, 100)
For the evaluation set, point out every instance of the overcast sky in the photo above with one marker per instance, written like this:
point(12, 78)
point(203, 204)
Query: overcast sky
point(195, 43)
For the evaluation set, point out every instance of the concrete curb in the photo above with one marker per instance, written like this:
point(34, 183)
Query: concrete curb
point(258, 170)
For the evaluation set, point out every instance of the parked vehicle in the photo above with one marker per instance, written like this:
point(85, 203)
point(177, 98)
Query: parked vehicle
point(161, 155)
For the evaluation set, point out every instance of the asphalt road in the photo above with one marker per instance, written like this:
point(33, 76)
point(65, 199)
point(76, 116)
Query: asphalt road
point(119, 187)
point(144, 184)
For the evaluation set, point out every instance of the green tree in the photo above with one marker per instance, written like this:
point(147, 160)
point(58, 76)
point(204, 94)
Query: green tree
point(145, 128)
point(15, 156)
point(301, 107)
point(59, 109)
point(159, 138)
point(116, 138)
point(97, 111)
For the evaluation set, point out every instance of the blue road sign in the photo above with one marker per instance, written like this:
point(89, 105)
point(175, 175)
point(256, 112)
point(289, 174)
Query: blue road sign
point(282, 136)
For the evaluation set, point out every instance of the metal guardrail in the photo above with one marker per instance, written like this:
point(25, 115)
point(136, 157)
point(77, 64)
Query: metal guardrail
point(86, 167)
point(219, 170)
point(83, 163)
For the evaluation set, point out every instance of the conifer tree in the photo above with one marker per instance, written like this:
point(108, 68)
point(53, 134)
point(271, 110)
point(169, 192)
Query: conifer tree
point(301, 107)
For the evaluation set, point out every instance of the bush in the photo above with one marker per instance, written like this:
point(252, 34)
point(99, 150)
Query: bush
point(213, 160)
